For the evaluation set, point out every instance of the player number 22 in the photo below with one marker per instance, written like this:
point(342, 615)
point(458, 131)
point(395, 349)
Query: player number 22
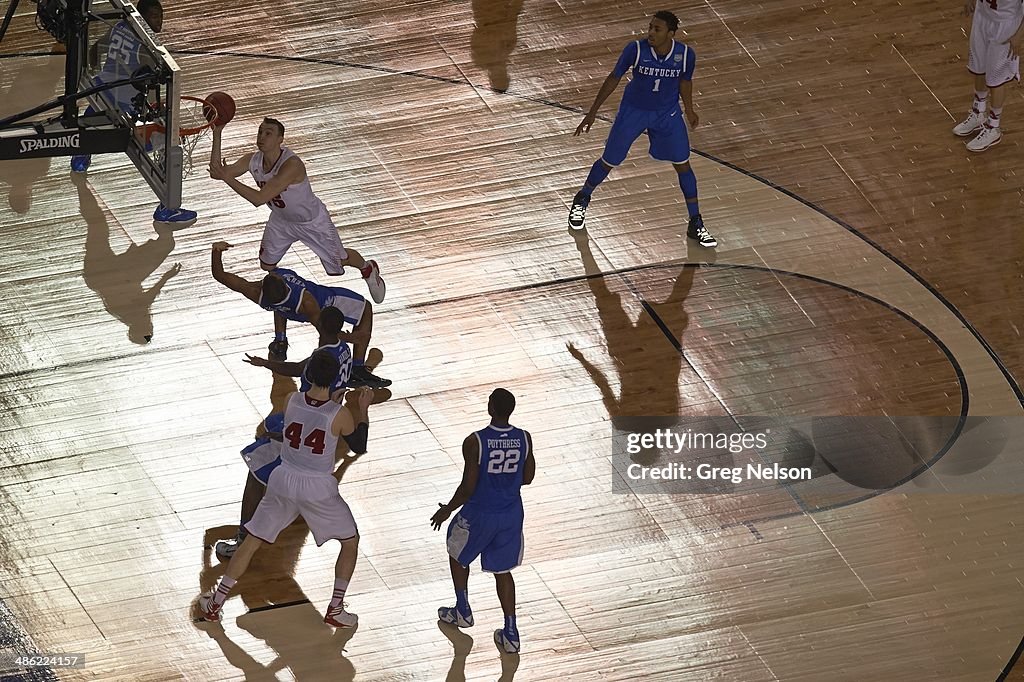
point(314, 441)
point(503, 462)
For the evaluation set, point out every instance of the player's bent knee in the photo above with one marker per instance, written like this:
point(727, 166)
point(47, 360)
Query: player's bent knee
point(608, 166)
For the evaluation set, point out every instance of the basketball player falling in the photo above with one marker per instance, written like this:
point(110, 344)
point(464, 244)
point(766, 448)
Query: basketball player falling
point(296, 214)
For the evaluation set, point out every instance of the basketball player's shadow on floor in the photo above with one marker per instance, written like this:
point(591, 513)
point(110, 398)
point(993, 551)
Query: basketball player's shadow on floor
point(648, 365)
point(462, 645)
point(118, 277)
point(494, 38)
point(33, 82)
point(279, 613)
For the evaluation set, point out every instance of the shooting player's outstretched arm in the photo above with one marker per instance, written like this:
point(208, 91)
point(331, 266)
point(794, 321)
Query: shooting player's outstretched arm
point(232, 170)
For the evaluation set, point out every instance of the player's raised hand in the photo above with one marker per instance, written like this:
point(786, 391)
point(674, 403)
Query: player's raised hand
point(255, 360)
point(221, 247)
point(219, 170)
point(440, 516)
point(584, 126)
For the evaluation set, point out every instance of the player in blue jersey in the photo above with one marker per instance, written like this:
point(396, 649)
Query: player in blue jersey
point(498, 462)
point(291, 297)
point(662, 71)
point(332, 340)
point(123, 54)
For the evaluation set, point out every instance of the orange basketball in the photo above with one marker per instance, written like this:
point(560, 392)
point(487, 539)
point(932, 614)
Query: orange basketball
point(222, 104)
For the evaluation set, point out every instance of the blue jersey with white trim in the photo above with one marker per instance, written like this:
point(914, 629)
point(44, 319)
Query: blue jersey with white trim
point(289, 308)
point(655, 82)
point(125, 54)
point(503, 453)
point(341, 351)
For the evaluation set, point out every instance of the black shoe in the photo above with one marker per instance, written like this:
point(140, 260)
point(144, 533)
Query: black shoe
point(363, 377)
point(578, 212)
point(278, 350)
point(696, 230)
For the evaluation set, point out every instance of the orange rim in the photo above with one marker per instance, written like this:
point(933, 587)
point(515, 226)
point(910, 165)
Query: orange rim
point(154, 128)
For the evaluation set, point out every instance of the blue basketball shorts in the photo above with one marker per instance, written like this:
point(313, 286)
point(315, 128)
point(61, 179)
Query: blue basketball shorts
point(262, 457)
point(665, 129)
point(495, 537)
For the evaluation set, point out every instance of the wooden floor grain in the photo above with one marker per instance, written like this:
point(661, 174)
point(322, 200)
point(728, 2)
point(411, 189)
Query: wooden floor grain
point(869, 267)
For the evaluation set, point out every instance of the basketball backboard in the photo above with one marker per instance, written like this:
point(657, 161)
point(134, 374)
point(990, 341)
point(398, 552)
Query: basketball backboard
point(114, 29)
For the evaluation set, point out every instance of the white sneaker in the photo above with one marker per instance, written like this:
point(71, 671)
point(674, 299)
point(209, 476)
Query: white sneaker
point(225, 549)
point(207, 609)
point(340, 618)
point(970, 124)
point(374, 282)
point(501, 640)
point(452, 616)
point(985, 139)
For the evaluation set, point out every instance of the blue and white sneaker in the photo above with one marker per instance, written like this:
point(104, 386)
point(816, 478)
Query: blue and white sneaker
point(452, 616)
point(506, 643)
point(173, 215)
point(80, 164)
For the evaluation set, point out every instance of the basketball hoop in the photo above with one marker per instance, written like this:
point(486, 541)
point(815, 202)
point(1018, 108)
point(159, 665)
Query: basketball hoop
point(193, 125)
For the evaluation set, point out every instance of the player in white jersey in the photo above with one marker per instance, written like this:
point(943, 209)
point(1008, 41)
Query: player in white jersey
point(296, 213)
point(305, 484)
point(122, 53)
point(997, 31)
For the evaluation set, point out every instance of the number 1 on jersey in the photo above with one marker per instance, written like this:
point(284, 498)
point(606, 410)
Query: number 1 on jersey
point(657, 84)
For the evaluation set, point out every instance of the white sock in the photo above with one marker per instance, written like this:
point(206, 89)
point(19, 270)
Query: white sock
point(980, 102)
point(993, 117)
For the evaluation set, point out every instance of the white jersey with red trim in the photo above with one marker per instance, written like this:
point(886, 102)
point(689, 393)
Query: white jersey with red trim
point(309, 443)
point(297, 203)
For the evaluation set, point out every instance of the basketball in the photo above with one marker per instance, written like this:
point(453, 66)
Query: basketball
point(222, 104)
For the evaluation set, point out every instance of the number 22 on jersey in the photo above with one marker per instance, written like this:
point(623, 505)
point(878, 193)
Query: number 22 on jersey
point(503, 461)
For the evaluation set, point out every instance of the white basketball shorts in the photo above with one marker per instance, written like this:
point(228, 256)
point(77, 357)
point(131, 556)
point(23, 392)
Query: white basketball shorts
point(291, 493)
point(989, 51)
point(319, 234)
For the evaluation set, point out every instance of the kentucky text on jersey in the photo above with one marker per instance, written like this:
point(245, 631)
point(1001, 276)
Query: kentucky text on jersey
point(655, 82)
point(662, 73)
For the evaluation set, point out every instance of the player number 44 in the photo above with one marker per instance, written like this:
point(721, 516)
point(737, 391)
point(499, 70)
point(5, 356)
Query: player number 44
point(315, 440)
point(503, 462)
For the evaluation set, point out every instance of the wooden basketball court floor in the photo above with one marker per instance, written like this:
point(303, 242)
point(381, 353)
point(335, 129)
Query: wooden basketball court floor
point(868, 266)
